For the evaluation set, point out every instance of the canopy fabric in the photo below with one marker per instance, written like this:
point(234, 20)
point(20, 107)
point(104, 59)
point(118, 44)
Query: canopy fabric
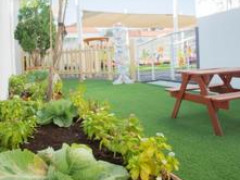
point(106, 19)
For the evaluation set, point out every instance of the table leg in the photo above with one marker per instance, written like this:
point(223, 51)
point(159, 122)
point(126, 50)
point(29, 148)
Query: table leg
point(202, 85)
point(227, 81)
point(214, 119)
point(185, 80)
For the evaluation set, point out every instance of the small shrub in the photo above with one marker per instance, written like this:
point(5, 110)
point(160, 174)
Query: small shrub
point(14, 133)
point(151, 157)
point(32, 85)
point(99, 125)
point(37, 76)
point(17, 110)
point(17, 122)
point(17, 85)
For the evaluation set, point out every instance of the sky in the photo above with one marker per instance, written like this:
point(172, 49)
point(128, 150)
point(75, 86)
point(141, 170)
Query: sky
point(186, 7)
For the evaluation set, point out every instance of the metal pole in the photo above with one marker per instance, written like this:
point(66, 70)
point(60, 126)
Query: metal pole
point(153, 65)
point(79, 6)
point(173, 38)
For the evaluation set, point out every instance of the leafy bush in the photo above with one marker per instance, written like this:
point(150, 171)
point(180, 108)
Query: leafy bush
point(33, 84)
point(145, 157)
point(37, 76)
point(60, 112)
point(17, 122)
point(100, 125)
point(37, 90)
point(74, 162)
point(150, 158)
point(14, 133)
point(77, 98)
point(17, 110)
point(17, 84)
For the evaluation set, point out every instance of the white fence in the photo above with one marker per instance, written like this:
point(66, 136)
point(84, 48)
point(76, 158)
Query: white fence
point(85, 63)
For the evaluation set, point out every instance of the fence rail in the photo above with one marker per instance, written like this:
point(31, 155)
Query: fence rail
point(86, 63)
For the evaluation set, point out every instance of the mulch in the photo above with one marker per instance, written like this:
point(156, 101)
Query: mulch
point(54, 136)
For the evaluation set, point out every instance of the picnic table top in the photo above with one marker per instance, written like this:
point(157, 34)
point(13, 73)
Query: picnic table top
point(211, 71)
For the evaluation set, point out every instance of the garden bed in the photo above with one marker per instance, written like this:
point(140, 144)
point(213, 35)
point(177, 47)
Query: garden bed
point(54, 136)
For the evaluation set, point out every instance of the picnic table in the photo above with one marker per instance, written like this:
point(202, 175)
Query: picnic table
point(215, 97)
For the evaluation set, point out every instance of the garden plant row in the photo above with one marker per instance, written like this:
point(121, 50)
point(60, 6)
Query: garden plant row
point(144, 158)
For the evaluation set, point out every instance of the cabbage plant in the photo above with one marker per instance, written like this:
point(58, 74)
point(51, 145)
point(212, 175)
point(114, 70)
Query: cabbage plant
point(74, 162)
point(60, 112)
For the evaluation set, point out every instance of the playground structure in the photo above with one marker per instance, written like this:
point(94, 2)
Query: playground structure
point(94, 57)
point(151, 60)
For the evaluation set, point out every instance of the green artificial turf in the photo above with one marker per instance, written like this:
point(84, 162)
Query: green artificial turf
point(202, 155)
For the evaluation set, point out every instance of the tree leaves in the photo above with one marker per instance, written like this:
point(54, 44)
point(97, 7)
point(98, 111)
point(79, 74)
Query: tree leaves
point(32, 31)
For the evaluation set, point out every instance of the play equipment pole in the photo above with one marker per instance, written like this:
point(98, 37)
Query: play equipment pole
point(79, 6)
point(173, 38)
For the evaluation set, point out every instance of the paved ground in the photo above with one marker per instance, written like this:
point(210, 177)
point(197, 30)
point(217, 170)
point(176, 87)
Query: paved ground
point(146, 76)
point(165, 83)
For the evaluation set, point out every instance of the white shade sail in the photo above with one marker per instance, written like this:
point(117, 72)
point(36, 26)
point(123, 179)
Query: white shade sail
point(106, 19)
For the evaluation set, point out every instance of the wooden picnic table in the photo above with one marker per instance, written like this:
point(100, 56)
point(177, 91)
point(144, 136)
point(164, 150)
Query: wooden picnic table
point(215, 97)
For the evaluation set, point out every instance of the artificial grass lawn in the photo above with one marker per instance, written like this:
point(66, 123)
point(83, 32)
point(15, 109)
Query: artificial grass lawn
point(202, 155)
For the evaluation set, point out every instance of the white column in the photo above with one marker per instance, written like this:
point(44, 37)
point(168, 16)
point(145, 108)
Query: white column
point(173, 39)
point(79, 5)
point(7, 57)
point(17, 47)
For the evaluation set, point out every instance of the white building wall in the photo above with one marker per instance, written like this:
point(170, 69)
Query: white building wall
point(7, 45)
point(17, 47)
point(219, 40)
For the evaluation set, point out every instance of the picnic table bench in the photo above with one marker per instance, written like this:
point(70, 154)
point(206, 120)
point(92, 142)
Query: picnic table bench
point(215, 97)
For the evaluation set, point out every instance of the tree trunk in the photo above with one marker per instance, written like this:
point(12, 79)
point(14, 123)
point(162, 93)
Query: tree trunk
point(58, 44)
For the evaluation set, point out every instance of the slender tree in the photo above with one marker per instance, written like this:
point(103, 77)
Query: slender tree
point(32, 31)
point(57, 51)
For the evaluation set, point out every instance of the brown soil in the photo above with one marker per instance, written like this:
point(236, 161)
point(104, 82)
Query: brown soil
point(54, 136)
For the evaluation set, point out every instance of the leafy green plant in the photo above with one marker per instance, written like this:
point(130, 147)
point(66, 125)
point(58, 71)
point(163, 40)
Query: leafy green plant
point(17, 122)
point(146, 158)
point(14, 133)
point(74, 162)
point(99, 125)
point(38, 91)
point(152, 157)
point(22, 165)
point(17, 84)
point(37, 75)
point(77, 98)
point(126, 136)
point(60, 112)
point(58, 86)
point(78, 162)
point(17, 110)
point(32, 31)
point(33, 84)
